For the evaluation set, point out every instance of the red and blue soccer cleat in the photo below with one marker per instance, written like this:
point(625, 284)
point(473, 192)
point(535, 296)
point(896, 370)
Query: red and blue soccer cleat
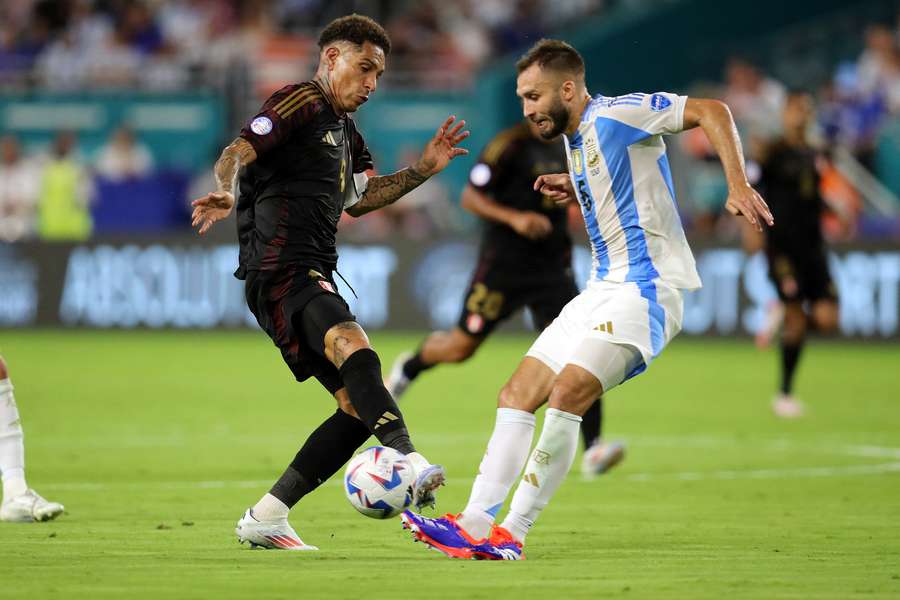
point(445, 535)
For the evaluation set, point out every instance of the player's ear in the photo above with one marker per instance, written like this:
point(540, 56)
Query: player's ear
point(568, 90)
point(330, 56)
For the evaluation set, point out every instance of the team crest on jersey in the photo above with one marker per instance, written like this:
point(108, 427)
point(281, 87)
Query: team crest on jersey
point(577, 162)
point(593, 157)
point(659, 102)
point(261, 125)
point(326, 286)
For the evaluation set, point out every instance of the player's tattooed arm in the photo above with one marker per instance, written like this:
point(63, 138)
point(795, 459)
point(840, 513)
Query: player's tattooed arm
point(387, 189)
point(438, 152)
point(715, 119)
point(217, 205)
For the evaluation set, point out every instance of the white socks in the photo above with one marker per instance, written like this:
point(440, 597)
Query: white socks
point(546, 469)
point(506, 453)
point(12, 447)
point(269, 508)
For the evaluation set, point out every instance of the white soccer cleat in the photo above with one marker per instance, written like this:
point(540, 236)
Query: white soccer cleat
point(429, 478)
point(276, 534)
point(29, 507)
point(397, 382)
point(600, 458)
point(788, 407)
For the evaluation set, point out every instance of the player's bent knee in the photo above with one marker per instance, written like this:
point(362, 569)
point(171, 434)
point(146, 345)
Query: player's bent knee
point(4, 372)
point(575, 391)
point(825, 317)
point(344, 339)
point(343, 401)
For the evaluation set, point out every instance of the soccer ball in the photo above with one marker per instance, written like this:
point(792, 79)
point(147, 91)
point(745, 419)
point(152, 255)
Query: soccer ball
point(378, 482)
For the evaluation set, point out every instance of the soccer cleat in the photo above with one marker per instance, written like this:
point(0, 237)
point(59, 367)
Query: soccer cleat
point(446, 536)
point(397, 381)
point(503, 546)
point(29, 507)
point(429, 478)
point(277, 534)
point(600, 458)
point(787, 407)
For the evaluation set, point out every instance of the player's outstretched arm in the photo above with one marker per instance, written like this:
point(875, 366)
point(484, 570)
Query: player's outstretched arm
point(718, 125)
point(217, 205)
point(440, 150)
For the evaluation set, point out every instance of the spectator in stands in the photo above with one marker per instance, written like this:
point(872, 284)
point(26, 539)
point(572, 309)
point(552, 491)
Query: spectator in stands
point(19, 188)
point(124, 157)
point(755, 100)
point(63, 66)
point(65, 184)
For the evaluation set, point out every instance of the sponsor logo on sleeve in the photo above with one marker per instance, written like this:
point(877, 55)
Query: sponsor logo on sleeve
point(658, 102)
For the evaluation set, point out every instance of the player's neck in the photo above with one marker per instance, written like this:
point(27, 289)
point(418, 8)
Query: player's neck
point(575, 116)
point(324, 83)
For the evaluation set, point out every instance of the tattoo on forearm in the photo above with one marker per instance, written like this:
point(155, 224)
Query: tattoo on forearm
point(234, 156)
point(226, 170)
point(387, 189)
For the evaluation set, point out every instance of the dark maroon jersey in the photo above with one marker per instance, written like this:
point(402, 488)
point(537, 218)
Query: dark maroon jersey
point(293, 194)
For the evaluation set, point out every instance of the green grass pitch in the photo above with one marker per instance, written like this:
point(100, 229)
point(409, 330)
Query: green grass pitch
point(156, 443)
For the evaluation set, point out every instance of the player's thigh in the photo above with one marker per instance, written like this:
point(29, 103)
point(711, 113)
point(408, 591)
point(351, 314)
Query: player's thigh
point(608, 363)
point(529, 386)
point(491, 298)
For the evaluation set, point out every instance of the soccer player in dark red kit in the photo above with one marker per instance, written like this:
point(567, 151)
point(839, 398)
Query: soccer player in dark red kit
point(794, 246)
point(302, 163)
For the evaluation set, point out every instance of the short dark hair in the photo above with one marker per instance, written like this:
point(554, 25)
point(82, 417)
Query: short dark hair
point(355, 28)
point(552, 54)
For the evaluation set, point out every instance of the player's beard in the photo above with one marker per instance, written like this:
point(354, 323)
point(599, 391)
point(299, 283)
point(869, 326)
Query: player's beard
point(559, 118)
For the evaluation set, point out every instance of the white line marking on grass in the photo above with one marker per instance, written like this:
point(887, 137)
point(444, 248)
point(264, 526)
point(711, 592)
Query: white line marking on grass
point(800, 472)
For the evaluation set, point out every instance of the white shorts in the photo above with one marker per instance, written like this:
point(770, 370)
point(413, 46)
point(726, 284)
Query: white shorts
point(640, 317)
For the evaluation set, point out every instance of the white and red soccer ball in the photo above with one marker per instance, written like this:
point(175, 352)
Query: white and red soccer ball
point(378, 482)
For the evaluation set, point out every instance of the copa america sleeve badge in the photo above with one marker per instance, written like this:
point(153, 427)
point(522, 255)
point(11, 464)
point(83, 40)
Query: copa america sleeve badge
point(261, 125)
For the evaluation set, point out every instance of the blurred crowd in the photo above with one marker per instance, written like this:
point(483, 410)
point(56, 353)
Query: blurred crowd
point(253, 46)
point(48, 194)
point(853, 109)
point(171, 44)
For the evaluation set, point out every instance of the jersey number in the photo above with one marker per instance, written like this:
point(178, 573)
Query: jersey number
point(485, 302)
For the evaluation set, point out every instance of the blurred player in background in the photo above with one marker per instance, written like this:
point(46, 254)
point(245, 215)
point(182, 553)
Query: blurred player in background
point(525, 260)
point(303, 163)
point(794, 246)
point(632, 307)
point(20, 503)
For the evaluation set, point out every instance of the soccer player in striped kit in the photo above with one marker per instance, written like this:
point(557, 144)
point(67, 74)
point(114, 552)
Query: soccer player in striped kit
point(632, 307)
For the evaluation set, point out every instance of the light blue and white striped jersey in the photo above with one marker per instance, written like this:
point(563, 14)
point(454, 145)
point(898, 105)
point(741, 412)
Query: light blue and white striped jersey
point(618, 165)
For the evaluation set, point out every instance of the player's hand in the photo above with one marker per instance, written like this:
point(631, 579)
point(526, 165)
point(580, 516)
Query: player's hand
point(745, 201)
point(531, 225)
point(557, 187)
point(212, 207)
point(442, 148)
